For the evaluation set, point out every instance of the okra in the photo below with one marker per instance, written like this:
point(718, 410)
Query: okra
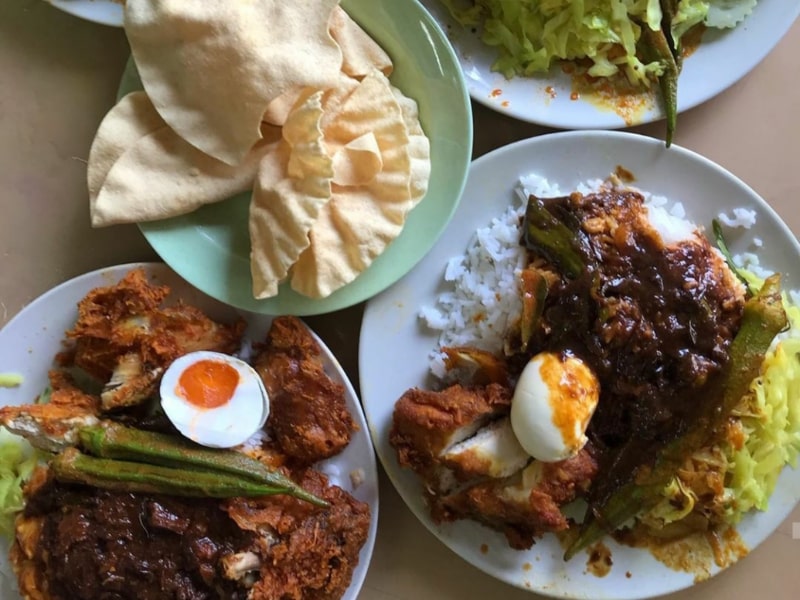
point(763, 318)
point(655, 46)
point(114, 441)
point(72, 466)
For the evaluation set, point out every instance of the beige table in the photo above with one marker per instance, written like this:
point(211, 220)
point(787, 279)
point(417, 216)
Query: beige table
point(58, 76)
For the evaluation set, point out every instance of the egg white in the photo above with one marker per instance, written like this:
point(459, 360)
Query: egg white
point(225, 426)
point(532, 414)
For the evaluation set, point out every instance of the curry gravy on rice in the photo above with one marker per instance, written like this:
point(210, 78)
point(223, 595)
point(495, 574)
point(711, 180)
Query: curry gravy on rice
point(652, 313)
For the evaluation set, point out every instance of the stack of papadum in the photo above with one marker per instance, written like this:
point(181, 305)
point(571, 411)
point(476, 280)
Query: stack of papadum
point(288, 99)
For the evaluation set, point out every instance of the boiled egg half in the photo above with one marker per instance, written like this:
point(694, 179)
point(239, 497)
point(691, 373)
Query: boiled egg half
point(554, 399)
point(214, 399)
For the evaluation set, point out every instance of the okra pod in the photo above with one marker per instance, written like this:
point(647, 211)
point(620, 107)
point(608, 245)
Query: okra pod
point(72, 466)
point(114, 441)
point(763, 318)
point(655, 47)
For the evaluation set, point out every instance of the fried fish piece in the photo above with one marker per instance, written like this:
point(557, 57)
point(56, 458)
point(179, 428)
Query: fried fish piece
point(53, 425)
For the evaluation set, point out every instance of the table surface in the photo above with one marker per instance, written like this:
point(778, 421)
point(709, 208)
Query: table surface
point(58, 77)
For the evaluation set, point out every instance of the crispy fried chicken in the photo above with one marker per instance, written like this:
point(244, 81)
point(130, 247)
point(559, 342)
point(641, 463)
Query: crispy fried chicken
point(310, 420)
point(523, 506)
point(125, 338)
point(460, 442)
point(427, 424)
point(311, 553)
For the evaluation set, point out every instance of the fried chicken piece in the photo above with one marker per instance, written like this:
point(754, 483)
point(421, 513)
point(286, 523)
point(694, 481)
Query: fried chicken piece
point(65, 392)
point(124, 338)
point(50, 427)
point(311, 553)
point(309, 419)
point(426, 424)
point(493, 451)
point(526, 505)
point(459, 440)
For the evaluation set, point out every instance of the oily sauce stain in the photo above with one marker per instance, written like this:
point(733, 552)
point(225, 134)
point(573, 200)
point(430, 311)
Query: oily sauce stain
point(616, 94)
point(696, 554)
point(624, 175)
point(599, 562)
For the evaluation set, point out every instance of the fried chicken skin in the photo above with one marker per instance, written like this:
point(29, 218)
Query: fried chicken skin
point(311, 553)
point(524, 506)
point(125, 338)
point(426, 424)
point(309, 418)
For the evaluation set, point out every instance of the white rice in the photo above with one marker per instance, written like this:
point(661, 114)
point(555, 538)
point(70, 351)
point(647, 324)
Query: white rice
point(483, 299)
point(741, 217)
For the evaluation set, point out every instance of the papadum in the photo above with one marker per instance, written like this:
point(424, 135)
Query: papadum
point(211, 67)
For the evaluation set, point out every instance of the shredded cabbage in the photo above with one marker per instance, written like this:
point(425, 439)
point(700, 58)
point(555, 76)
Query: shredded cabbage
point(530, 35)
point(770, 417)
point(10, 380)
point(724, 14)
point(17, 461)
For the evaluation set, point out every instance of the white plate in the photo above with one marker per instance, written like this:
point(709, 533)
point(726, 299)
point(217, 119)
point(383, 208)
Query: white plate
point(30, 340)
point(105, 12)
point(395, 345)
point(722, 59)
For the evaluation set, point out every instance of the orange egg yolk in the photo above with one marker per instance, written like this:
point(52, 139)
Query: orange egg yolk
point(208, 383)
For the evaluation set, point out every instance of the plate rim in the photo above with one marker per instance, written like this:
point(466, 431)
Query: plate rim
point(387, 457)
point(368, 461)
point(92, 11)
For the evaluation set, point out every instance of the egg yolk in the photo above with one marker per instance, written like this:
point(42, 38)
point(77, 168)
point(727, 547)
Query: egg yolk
point(208, 383)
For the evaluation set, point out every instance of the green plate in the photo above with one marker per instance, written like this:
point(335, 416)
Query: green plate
point(210, 248)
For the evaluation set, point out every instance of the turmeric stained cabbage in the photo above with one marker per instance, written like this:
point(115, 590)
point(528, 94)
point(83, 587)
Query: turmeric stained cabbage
point(770, 418)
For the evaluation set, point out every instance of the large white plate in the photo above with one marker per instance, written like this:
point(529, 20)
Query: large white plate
point(105, 12)
point(395, 345)
point(722, 59)
point(30, 340)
